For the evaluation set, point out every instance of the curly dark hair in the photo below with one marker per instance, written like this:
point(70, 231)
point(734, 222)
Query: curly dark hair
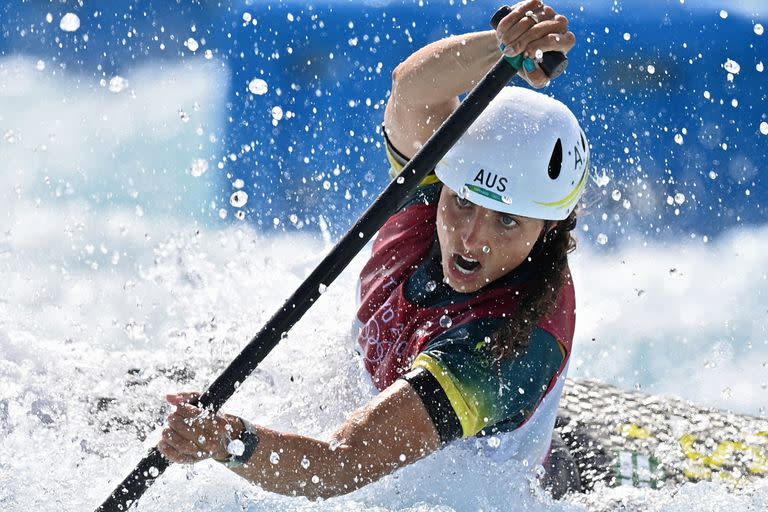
point(549, 257)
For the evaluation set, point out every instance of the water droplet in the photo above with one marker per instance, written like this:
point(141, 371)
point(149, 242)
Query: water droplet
point(627, 36)
point(199, 167)
point(40, 65)
point(602, 180)
point(540, 471)
point(616, 195)
point(258, 86)
point(679, 138)
point(679, 198)
point(305, 463)
point(602, 239)
point(626, 204)
point(154, 472)
point(727, 393)
point(463, 192)
point(208, 54)
point(712, 175)
point(539, 55)
point(430, 286)
point(334, 445)
point(402, 457)
point(70, 22)
point(238, 199)
point(521, 391)
point(277, 113)
point(445, 322)
point(238, 183)
point(236, 447)
point(723, 14)
point(732, 66)
point(486, 249)
point(192, 44)
point(760, 67)
point(274, 457)
point(400, 180)
point(322, 288)
point(764, 128)
point(183, 116)
point(201, 440)
point(758, 29)
point(222, 213)
point(315, 479)
point(240, 215)
point(651, 69)
point(506, 199)
point(494, 442)
point(117, 84)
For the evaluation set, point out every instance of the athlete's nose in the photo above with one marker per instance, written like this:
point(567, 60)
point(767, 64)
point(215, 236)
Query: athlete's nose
point(474, 235)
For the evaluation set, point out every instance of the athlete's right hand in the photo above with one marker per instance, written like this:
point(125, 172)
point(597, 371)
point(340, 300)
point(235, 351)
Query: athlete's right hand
point(195, 434)
point(519, 32)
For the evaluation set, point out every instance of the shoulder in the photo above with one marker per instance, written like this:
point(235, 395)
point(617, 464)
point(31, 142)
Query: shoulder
point(483, 390)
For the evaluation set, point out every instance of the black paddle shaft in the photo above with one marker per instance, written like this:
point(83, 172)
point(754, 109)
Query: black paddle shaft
point(425, 160)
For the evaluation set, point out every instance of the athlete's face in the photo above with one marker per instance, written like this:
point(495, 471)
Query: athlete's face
point(480, 245)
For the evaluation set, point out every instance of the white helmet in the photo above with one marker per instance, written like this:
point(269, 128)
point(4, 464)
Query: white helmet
point(525, 155)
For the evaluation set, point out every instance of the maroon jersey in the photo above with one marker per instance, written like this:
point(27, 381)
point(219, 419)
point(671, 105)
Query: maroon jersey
point(394, 330)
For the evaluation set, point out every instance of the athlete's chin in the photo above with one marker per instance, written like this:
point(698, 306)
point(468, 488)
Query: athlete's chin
point(462, 288)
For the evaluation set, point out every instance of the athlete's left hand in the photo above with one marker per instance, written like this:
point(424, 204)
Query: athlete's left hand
point(533, 28)
point(194, 434)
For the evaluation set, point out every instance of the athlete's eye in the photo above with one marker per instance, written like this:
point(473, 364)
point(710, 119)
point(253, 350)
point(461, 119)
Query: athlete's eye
point(508, 221)
point(461, 202)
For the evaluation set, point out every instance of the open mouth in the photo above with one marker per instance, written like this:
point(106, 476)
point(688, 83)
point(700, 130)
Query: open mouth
point(465, 264)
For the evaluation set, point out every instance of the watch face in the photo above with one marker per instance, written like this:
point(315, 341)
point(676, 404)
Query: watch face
point(250, 441)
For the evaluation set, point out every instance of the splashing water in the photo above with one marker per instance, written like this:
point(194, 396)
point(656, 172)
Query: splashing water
point(117, 84)
point(258, 87)
point(238, 199)
point(70, 22)
point(732, 66)
point(199, 167)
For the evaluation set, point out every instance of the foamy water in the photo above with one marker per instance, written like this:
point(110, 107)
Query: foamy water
point(116, 292)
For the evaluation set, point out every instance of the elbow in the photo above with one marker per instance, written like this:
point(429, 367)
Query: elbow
point(397, 79)
point(398, 72)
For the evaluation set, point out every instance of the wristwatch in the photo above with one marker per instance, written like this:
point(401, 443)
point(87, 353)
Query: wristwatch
point(248, 441)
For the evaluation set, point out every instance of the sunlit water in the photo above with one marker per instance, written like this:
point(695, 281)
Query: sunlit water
point(111, 288)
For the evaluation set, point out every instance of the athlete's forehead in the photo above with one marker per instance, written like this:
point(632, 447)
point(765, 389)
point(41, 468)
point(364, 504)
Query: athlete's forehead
point(448, 193)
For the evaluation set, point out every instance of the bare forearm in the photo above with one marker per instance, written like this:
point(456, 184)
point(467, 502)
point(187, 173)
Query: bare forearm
point(446, 68)
point(296, 465)
point(391, 431)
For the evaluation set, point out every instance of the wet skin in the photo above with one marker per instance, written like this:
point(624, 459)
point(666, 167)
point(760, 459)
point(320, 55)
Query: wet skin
point(479, 245)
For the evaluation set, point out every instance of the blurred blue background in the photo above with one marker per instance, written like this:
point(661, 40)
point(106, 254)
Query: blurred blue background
point(672, 96)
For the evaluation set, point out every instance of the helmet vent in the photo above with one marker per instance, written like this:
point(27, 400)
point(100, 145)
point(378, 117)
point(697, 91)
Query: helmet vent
point(556, 160)
point(583, 142)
